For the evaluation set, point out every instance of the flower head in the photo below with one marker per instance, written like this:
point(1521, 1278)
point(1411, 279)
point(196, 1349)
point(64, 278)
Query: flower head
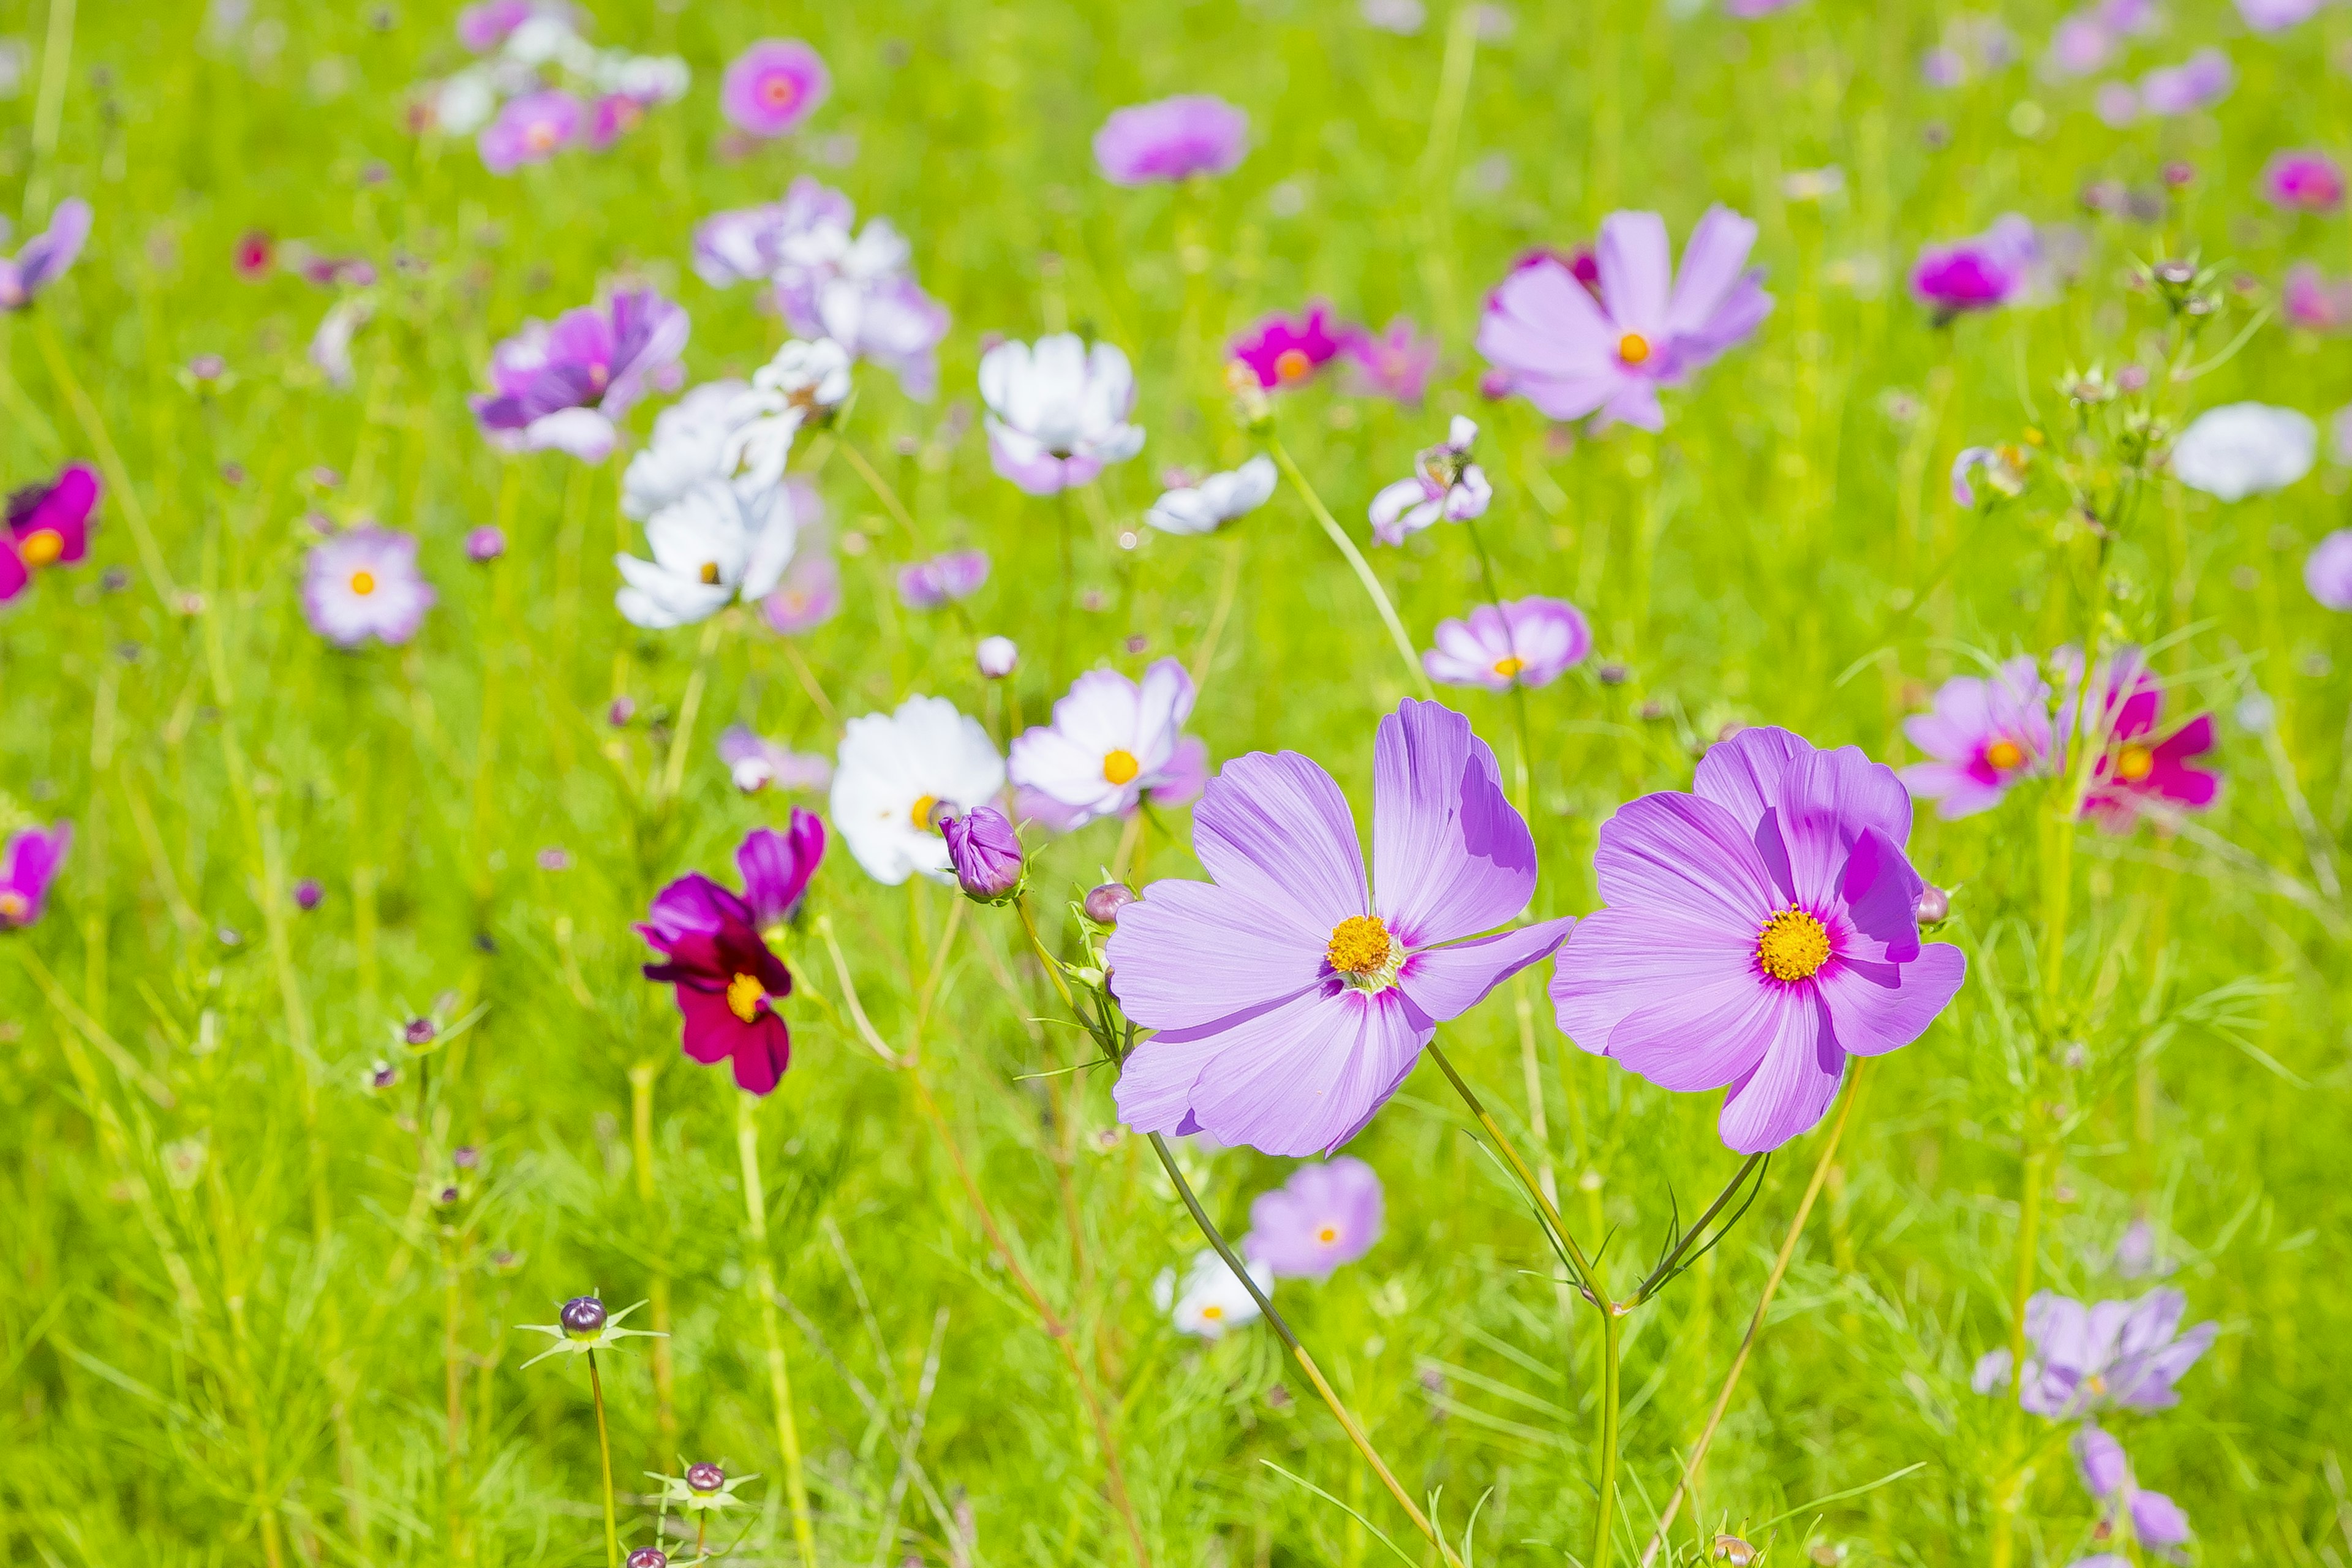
point(2316, 302)
point(773, 86)
point(2141, 771)
point(809, 595)
point(727, 982)
point(2327, 572)
point(2304, 182)
point(1445, 483)
point(705, 1488)
point(583, 1326)
point(363, 584)
point(1395, 365)
point(2277, 15)
point(46, 255)
point(1290, 999)
point(1325, 1214)
point(1759, 930)
point(1174, 139)
point(2003, 468)
point(486, 543)
point(26, 868)
point(777, 866)
point(710, 547)
point(2201, 80)
point(530, 128)
point(1213, 1301)
point(1287, 351)
point(2111, 1355)
point(1112, 740)
point(754, 762)
point(943, 579)
point(2245, 448)
point(1981, 273)
point(1057, 411)
point(1984, 736)
point(897, 772)
point(985, 854)
point(1519, 642)
point(47, 525)
point(1216, 500)
point(996, 656)
point(562, 387)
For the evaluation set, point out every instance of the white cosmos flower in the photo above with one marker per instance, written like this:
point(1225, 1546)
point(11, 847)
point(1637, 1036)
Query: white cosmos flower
point(709, 546)
point(690, 445)
point(1445, 484)
point(464, 103)
point(1216, 500)
point(1213, 1298)
point(1111, 739)
point(810, 376)
point(1057, 411)
point(893, 769)
point(2245, 448)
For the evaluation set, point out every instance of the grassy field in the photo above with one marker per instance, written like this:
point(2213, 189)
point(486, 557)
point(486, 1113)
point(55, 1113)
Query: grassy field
point(262, 1303)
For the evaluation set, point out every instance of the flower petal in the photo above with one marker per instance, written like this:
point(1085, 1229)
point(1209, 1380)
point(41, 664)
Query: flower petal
point(1274, 828)
point(1702, 1034)
point(1187, 954)
point(1786, 1092)
point(1875, 1008)
point(1677, 854)
point(1447, 981)
point(1307, 1080)
point(1450, 858)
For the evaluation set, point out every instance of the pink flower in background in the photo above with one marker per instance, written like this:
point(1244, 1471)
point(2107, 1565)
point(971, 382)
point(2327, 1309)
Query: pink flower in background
point(530, 128)
point(47, 525)
point(1325, 1214)
point(1979, 274)
point(1519, 642)
point(562, 387)
point(2140, 771)
point(773, 86)
point(754, 762)
point(1287, 351)
point(363, 584)
point(943, 579)
point(2304, 182)
point(1174, 139)
point(26, 868)
point(2277, 15)
point(809, 595)
point(45, 256)
point(1112, 741)
point(1395, 365)
point(2316, 302)
point(2200, 81)
point(611, 117)
point(1445, 484)
point(1983, 736)
point(1751, 10)
point(484, 26)
point(2327, 572)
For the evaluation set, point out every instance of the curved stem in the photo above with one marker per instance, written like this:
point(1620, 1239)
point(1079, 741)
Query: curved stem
point(1585, 1278)
point(1364, 568)
point(764, 1280)
point(125, 496)
point(881, 488)
point(689, 707)
point(604, 1450)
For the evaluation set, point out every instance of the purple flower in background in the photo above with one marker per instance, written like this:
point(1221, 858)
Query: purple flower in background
point(563, 387)
point(1445, 483)
point(2277, 15)
point(1395, 365)
point(307, 894)
point(754, 762)
point(2158, 1522)
point(1286, 351)
point(984, 853)
point(1174, 139)
point(2200, 81)
point(1519, 642)
point(2079, 45)
point(1758, 932)
point(2305, 181)
point(1752, 10)
point(1057, 411)
point(47, 525)
point(46, 255)
point(943, 579)
point(2327, 572)
point(1984, 736)
point(612, 116)
point(1324, 1215)
point(777, 866)
point(2116, 104)
point(1111, 741)
point(2136, 1256)
point(530, 128)
point(363, 584)
point(26, 868)
point(2316, 302)
point(809, 595)
point(773, 86)
point(745, 245)
point(1572, 354)
point(484, 26)
point(1290, 1003)
point(2003, 468)
point(728, 981)
point(2114, 1355)
point(2104, 1468)
point(1977, 274)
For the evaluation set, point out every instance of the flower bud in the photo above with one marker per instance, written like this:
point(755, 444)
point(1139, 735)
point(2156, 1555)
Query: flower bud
point(619, 712)
point(420, 1032)
point(485, 544)
point(986, 854)
point(1103, 903)
point(307, 893)
point(996, 656)
point(584, 1316)
point(1732, 1550)
point(1935, 906)
point(705, 1478)
point(466, 1157)
point(649, 1557)
point(383, 1075)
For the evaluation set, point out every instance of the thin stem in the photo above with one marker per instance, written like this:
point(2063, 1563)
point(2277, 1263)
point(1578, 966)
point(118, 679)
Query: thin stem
point(1364, 568)
point(641, 1140)
point(1603, 1534)
point(881, 488)
point(764, 1280)
point(50, 108)
point(689, 707)
point(604, 1450)
point(1673, 1260)
point(1523, 770)
point(1585, 1278)
point(118, 478)
point(1228, 585)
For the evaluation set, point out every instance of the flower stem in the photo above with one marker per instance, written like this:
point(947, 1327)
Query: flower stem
point(1585, 1278)
point(1364, 568)
point(1603, 1536)
point(689, 707)
point(763, 1281)
point(604, 1449)
point(118, 478)
point(881, 488)
point(1522, 772)
point(641, 1138)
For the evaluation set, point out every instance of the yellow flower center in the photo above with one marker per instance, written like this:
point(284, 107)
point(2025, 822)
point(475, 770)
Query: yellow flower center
point(1633, 347)
point(1508, 667)
point(744, 995)
point(1291, 364)
point(710, 572)
point(40, 547)
point(13, 906)
point(1120, 766)
point(1327, 1235)
point(1213, 1313)
point(539, 137)
point(1364, 954)
point(2133, 763)
point(363, 584)
point(779, 92)
point(2003, 755)
point(1793, 945)
point(923, 812)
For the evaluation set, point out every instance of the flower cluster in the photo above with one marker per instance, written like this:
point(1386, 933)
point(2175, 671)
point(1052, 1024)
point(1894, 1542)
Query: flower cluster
point(540, 88)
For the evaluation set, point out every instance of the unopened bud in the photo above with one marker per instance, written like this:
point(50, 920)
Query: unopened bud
point(1103, 903)
point(584, 1316)
point(1935, 906)
point(1732, 1550)
point(996, 656)
point(705, 1478)
point(383, 1075)
point(985, 853)
point(420, 1032)
point(649, 1557)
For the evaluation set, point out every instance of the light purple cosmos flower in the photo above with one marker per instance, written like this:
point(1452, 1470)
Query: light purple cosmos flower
point(2306, 181)
point(47, 525)
point(363, 584)
point(26, 868)
point(1174, 139)
point(2315, 301)
point(2241, 450)
point(943, 579)
point(1395, 365)
point(1445, 484)
point(1111, 741)
point(1287, 351)
point(2158, 1523)
point(2078, 45)
point(1759, 930)
point(1979, 274)
point(2327, 572)
point(755, 763)
point(773, 86)
point(46, 255)
point(1519, 642)
point(1291, 1002)
point(1325, 1215)
point(2113, 1356)
point(1572, 354)
point(563, 387)
point(1057, 411)
point(530, 128)
point(2277, 15)
point(2200, 81)
point(809, 595)
point(1982, 736)
point(1754, 10)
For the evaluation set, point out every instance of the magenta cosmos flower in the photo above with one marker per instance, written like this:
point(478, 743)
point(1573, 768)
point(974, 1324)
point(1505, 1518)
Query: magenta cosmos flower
point(363, 584)
point(1982, 736)
point(2315, 301)
point(48, 525)
point(1291, 1001)
point(27, 870)
point(1112, 741)
point(563, 387)
point(1571, 353)
point(46, 255)
point(1324, 1215)
point(530, 128)
point(1395, 365)
point(1174, 139)
point(2304, 182)
point(1519, 642)
point(773, 86)
point(1759, 930)
point(2141, 771)
point(1977, 274)
point(1287, 351)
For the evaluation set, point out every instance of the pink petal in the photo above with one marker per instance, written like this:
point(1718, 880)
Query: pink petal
point(1447, 981)
point(1450, 856)
point(1275, 829)
point(1187, 954)
point(1678, 855)
point(1637, 266)
point(1619, 961)
point(1879, 1007)
point(1743, 774)
point(1301, 1081)
point(1788, 1092)
point(1700, 1035)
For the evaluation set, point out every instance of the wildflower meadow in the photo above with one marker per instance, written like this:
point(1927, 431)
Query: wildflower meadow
point(1244, 783)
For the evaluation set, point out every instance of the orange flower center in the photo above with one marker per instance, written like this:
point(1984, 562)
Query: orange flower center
point(541, 136)
point(1120, 766)
point(1291, 364)
point(1327, 1235)
point(710, 572)
point(2003, 755)
point(1508, 667)
point(1363, 953)
point(1633, 347)
point(13, 906)
point(923, 812)
point(41, 547)
point(2133, 763)
point(363, 584)
point(744, 995)
point(1793, 945)
point(779, 92)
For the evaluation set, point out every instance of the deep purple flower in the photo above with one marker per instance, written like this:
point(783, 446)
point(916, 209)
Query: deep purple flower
point(2305, 181)
point(362, 582)
point(1286, 351)
point(1572, 354)
point(47, 525)
point(943, 579)
point(773, 86)
point(727, 982)
point(2201, 80)
point(1291, 1002)
point(307, 894)
point(1325, 1215)
point(563, 386)
point(1983, 736)
point(1758, 932)
point(985, 854)
point(1519, 642)
point(1979, 274)
point(1174, 139)
point(2327, 572)
point(1395, 365)
point(2118, 1355)
point(27, 870)
point(46, 255)
point(777, 866)
point(809, 595)
point(530, 128)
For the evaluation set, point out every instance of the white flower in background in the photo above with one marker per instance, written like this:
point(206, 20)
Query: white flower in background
point(1057, 411)
point(1445, 484)
point(331, 345)
point(709, 546)
point(813, 377)
point(464, 103)
point(2245, 448)
point(547, 38)
point(1111, 740)
point(754, 762)
point(647, 78)
point(1216, 500)
point(895, 770)
point(1213, 1298)
point(690, 445)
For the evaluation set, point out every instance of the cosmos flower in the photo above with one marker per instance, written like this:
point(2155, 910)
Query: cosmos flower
point(1759, 930)
point(984, 852)
point(1395, 365)
point(483, 26)
point(857, 290)
point(1571, 353)
point(896, 771)
point(2101, 1462)
point(690, 443)
point(562, 387)
point(2304, 182)
point(331, 345)
point(710, 547)
point(2201, 80)
point(2241, 450)
point(530, 128)
point(583, 1326)
point(1979, 274)
point(943, 579)
point(2316, 302)
point(1445, 483)
point(809, 595)
point(1213, 1301)
point(2327, 572)
point(1287, 351)
point(1982, 736)
point(45, 256)
point(777, 868)
point(996, 656)
point(754, 762)
point(2113, 1356)
point(2139, 771)
point(1519, 642)
point(2002, 467)
point(26, 868)
point(1290, 1000)
point(1325, 1214)
point(47, 525)
point(1174, 139)
point(2277, 15)
point(1111, 741)
point(362, 582)
point(1057, 411)
point(773, 86)
point(1216, 500)
point(727, 981)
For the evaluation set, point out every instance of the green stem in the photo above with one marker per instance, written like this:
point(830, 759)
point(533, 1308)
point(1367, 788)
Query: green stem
point(604, 1449)
point(1603, 1534)
point(50, 108)
point(764, 1280)
point(118, 478)
point(690, 708)
point(1363, 568)
point(1585, 1278)
point(1524, 767)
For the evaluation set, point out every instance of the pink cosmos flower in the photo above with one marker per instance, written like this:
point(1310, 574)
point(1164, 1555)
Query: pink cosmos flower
point(483, 26)
point(728, 980)
point(809, 595)
point(1290, 1000)
point(563, 387)
point(2277, 15)
point(1572, 354)
point(1445, 483)
point(1325, 1214)
point(1396, 365)
point(2140, 772)
point(46, 255)
point(1759, 930)
point(754, 762)
point(943, 579)
point(774, 85)
point(2118, 1355)
point(1519, 642)
point(1174, 139)
point(2327, 572)
point(48, 525)
point(1287, 351)
point(1983, 736)
point(530, 128)
point(1979, 274)
point(2305, 182)
point(26, 868)
point(362, 582)
point(2201, 80)
point(2316, 302)
point(612, 116)
point(1112, 740)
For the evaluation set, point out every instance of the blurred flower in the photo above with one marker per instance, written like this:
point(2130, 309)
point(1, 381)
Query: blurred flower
point(2135, 1256)
point(611, 117)
point(331, 345)
point(1758, 932)
point(2201, 80)
point(2316, 302)
point(47, 525)
point(1325, 1214)
point(1289, 1001)
point(1975, 274)
point(2120, 1355)
point(483, 26)
point(726, 979)
point(700, 436)
point(2327, 572)
point(2078, 45)
point(2137, 773)
point(2116, 104)
point(530, 128)
point(1571, 353)
point(363, 584)
point(1057, 411)
point(1519, 642)
point(254, 254)
point(943, 579)
point(1982, 736)
point(895, 770)
point(1752, 10)
point(809, 595)
point(773, 86)
point(486, 543)
point(26, 868)
point(1174, 139)
point(985, 854)
point(1395, 365)
point(307, 894)
point(2101, 1460)
point(2277, 15)
point(996, 656)
point(1284, 351)
point(2158, 1522)
point(2303, 182)
point(1214, 1300)
point(754, 762)
point(710, 547)
point(2003, 468)
point(563, 386)
point(1402, 17)
point(45, 256)
point(1445, 484)
point(2245, 448)
point(1112, 738)
point(1216, 500)
point(777, 866)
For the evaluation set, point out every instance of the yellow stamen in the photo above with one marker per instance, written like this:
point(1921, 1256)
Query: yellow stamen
point(13, 906)
point(40, 547)
point(1633, 347)
point(744, 995)
point(2133, 763)
point(710, 573)
point(363, 584)
point(1327, 1235)
point(923, 812)
point(539, 137)
point(2003, 755)
point(1120, 766)
point(1508, 667)
point(1213, 1313)
point(1793, 945)
point(1363, 953)
point(1291, 364)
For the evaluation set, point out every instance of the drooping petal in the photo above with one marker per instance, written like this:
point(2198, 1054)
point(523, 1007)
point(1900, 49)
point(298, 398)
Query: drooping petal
point(1788, 1092)
point(1447, 981)
point(1154, 1093)
point(1879, 1007)
point(1303, 1088)
point(1451, 856)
